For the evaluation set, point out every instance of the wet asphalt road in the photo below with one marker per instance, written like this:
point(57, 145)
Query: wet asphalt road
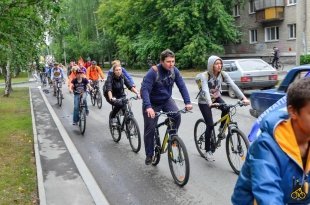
point(122, 175)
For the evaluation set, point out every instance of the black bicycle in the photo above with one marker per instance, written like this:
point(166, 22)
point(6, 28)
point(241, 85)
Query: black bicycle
point(126, 122)
point(58, 83)
point(177, 153)
point(82, 114)
point(95, 94)
point(236, 142)
point(277, 65)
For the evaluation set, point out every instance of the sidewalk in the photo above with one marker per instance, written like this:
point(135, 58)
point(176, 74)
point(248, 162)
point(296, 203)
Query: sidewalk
point(63, 178)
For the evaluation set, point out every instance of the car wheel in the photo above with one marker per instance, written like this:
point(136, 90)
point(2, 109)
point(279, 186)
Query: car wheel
point(231, 93)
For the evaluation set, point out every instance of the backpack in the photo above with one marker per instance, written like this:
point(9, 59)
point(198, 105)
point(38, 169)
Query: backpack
point(199, 84)
point(155, 68)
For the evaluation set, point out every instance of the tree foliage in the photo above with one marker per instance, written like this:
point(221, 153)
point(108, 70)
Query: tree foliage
point(193, 29)
point(22, 27)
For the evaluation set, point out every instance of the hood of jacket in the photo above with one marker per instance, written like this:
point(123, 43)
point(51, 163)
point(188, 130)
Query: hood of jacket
point(211, 62)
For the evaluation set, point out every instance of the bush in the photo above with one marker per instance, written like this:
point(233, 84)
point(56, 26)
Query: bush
point(304, 59)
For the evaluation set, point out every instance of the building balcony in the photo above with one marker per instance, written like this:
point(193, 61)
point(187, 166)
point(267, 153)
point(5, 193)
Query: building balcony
point(269, 10)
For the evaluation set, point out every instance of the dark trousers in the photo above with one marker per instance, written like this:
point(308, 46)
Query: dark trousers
point(150, 124)
point(275, 60)
point(208, 117)
point(117, 105)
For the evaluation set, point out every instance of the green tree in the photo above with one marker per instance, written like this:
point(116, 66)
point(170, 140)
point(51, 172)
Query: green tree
point(193, 29)
point(22, 27)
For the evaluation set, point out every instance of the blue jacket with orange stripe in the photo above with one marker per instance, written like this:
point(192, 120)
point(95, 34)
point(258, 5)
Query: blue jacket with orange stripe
point(273, 172)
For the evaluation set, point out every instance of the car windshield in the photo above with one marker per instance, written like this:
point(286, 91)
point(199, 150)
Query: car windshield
point(252, 64)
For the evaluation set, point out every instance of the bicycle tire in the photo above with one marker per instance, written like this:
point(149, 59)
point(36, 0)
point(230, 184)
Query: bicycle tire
point(157, 150)
point(234, 144)
point(82, 121)
point(177, 154)
point(199, 138)
point(280, 66)
point(60, 98)
point(115, 130)
point(99, 99)
point(93, 98)
point(132, 125)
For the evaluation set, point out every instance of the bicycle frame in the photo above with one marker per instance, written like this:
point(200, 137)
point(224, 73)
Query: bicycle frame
point(127, 113)
point(169, 123)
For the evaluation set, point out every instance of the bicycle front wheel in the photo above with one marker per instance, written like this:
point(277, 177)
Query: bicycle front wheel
point(115, 130)
point(82, 122)
point(133, 134)
point(59, 97)
point(236, 149)
point(199, 136)
point(178, 160)
point(93, 98)
point(99, 99)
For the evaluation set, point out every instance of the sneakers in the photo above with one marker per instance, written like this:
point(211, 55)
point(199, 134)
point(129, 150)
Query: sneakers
point(209, 156)
point(114, 122)
point(148, 160)
point(74, 123)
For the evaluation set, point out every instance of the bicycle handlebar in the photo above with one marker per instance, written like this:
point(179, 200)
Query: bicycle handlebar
point(225, 105)
point(184, 110)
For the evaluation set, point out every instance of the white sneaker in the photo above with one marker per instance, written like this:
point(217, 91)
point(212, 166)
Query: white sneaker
point(209, 156)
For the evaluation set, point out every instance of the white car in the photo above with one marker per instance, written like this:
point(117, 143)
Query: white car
point(249, 74)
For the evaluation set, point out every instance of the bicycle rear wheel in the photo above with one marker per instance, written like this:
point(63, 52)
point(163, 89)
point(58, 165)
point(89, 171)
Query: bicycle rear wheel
point(82, 121)
point(115, 130)
point(178, 160)
point(236, 149)
point(199, 136)
point(280, 66)
point(157, 150)
point(133, 134)
point(99, 99)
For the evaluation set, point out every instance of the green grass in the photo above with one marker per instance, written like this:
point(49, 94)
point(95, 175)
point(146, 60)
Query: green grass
point(22, 77)
point(18, 184)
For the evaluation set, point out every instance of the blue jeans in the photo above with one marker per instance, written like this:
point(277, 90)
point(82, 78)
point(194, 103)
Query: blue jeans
point(150, 124)
point(76, 106)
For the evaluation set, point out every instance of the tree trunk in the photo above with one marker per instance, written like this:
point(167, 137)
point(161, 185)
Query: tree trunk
point(8, 85)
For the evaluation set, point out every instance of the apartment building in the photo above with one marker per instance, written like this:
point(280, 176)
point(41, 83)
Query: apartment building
point(264, 24)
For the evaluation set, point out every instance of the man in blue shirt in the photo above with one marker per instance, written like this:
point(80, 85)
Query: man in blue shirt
point(156, 93)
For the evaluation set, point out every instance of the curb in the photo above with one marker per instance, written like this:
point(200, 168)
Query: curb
point(41, 190)
point(91, 184)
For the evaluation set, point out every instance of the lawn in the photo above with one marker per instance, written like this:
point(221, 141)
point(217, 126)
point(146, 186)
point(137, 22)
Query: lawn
point(18, 184)
point(22, 77)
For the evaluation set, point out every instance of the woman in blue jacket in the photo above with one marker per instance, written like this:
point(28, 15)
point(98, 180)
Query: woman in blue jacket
point(277, 167)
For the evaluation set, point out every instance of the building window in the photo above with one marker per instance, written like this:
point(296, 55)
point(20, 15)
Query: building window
point(253, 36)
point(251, 7)
point(272, 33)
point(292, 31)
point(236, 11)
point(291, 2)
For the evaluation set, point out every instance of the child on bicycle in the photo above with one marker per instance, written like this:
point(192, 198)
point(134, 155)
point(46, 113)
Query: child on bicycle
point(277, 167)
point(79, 86)
point(114, 90)
point(210, 95)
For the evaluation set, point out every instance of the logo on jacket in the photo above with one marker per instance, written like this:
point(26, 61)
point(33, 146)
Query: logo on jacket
point(300, 190)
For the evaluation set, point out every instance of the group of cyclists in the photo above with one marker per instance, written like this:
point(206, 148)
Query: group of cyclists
point(156, 95)
point(156, 92)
